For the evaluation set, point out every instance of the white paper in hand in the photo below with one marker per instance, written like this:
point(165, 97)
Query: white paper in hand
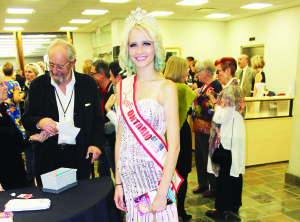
point(67, 129)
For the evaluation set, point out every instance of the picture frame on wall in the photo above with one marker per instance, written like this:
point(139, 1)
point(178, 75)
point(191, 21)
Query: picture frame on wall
point(172, 51)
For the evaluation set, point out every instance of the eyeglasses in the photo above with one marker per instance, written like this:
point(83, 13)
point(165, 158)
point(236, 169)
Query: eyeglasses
point(52, 66)
point(93, 73)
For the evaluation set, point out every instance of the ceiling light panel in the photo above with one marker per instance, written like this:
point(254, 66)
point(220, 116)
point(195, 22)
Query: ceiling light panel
point(217, 15)
point(12, 28)
point(15, 20)
point(192, 2)
point(160, 13)
point(68, 28)
point(114, 1)
point(257, 5)
point(19, 10)
point(80, 21)
point(94, 12)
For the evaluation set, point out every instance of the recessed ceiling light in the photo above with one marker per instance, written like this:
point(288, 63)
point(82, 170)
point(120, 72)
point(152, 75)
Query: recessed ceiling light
point(191, 2)
point(15, 20)
point(114, 1)
point(19, 10)
point(12, 28)
point(217, 15)
point(68, 28)
point(94, 12)
point(257, 5)
point(160, 13)
point(80, 21)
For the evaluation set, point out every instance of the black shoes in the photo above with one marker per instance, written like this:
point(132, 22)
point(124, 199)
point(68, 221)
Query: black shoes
point(184, 216)
point(199, 190)
point(216, 214)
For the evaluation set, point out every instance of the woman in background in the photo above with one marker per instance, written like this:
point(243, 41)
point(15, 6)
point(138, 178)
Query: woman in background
point(147, 108)
point(205, 71)
point(177, 71)
point(13, 92)
point(228, 131)
point(12, 171)
point(258, 64)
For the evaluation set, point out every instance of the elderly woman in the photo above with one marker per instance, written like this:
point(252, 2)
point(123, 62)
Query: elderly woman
point(227, 132)
point(12, 171)
point(205, 71)
point(32, 70)
point(258, 64)
point(177, 71)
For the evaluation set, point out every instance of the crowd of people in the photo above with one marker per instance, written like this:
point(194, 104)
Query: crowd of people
point(133, 117)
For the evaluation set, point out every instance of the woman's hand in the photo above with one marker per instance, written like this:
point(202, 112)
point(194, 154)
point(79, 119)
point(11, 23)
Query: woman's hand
point(159, 203)
point(210, 93)
point(110, 102)
point(40, 137)
point(8, 101)
point(119, 194)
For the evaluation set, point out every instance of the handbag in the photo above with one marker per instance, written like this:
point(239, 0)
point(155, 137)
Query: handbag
point(201, 126)
point(222, 156)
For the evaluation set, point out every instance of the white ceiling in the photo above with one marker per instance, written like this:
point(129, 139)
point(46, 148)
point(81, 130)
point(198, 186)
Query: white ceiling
point(50, 15)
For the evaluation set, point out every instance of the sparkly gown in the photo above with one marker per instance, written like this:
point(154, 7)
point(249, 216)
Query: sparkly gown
point(139, 173)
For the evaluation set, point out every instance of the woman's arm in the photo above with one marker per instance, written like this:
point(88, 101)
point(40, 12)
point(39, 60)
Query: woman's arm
point(258, 79)
point(1, 188)
point(170, 103)
point(17, 96)
point(119, 192)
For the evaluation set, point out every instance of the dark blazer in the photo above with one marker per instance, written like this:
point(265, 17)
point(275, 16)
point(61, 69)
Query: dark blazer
point(249, 76)
point(21, 80)
point(87, 116)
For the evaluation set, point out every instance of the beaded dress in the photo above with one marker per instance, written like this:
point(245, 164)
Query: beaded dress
point(138, 171)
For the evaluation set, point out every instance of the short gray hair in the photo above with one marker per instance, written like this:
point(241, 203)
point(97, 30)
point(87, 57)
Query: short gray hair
point(69, 47)
point(206, 64)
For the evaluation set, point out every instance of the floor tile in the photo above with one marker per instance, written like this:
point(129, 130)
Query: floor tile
point(253, 182)
point(251, 175)
point(295, 190)
point(249, 202)
point(283, 194)
point(270, 178)
point(258, 189)
point(294, 214)
point(266, 172)
point(198, 200)
point(271, 208)
point(290, 204)
point(264, 198)
point(250, 213)
point(277, 186)
point(277, 218)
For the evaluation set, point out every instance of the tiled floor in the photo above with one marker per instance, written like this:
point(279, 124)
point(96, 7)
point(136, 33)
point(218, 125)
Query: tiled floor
point(265, 196)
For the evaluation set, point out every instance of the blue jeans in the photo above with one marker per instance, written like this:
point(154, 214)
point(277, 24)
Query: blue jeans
point(106, 161)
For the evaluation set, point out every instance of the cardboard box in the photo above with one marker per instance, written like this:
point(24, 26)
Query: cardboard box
point(59, 180)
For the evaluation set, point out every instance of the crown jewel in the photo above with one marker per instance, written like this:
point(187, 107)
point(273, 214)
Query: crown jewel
point(139, 16)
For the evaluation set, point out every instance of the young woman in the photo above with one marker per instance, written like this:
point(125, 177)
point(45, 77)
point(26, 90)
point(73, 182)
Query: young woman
point(148, 107)
point(177, 71)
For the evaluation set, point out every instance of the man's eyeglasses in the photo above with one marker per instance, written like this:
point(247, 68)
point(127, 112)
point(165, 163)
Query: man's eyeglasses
point(52, 66)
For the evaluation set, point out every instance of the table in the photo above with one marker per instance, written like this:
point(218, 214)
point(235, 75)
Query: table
point(89, 201)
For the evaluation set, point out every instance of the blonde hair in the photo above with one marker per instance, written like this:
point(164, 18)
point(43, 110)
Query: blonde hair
point(176, 68)
point(257, 61)
point(152, 34)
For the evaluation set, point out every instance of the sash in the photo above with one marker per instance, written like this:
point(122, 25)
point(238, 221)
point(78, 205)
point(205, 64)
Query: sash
point(147, 137)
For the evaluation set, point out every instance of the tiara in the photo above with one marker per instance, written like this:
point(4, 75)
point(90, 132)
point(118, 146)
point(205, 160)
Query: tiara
point(139, 16)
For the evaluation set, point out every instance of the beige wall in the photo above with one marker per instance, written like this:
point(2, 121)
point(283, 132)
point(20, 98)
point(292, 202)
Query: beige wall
point(279, 32)
point(294, 166)
point(84, 48)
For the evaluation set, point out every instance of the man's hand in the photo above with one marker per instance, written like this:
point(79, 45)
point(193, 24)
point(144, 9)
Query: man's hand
point(95, 151)
point(48, 125)
point(8, 101)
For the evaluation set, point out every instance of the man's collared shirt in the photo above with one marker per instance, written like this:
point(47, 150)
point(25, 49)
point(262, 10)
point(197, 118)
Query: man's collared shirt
point(65, 99)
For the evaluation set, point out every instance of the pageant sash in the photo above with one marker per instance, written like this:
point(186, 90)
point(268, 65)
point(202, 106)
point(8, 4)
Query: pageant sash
point(147, 137)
